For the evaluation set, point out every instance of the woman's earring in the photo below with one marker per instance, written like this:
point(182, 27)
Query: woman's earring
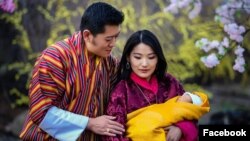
point(127, 66)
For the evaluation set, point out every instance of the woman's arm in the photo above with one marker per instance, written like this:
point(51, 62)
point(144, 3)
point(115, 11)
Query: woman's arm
point(189, 130)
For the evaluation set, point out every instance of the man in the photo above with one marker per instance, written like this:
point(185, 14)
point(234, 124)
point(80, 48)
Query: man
point(72, 80)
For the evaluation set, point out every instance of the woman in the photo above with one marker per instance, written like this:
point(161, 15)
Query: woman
point(142, 82)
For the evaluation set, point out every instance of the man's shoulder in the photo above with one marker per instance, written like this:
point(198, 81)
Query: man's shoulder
point(62, 45)
point(61, 48)
point(112, 58)
point(112, 61)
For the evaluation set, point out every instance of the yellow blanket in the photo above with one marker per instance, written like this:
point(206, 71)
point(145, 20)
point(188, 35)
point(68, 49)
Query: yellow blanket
point(146, 124)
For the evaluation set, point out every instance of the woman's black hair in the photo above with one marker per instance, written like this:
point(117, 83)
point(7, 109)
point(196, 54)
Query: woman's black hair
point(148, 38)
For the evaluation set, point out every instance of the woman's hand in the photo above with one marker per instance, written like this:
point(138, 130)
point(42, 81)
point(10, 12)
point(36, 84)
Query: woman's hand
point(104, 125)
point(173, 133)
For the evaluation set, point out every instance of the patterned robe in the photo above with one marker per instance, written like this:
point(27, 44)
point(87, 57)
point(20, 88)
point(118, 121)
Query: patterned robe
point(127, 98)
point(67, 77)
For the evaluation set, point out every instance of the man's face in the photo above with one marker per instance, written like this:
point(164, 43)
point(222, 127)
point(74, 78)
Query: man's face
point(103, 43)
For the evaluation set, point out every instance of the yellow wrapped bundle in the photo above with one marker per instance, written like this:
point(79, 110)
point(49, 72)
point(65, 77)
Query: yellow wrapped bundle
point(146, 124)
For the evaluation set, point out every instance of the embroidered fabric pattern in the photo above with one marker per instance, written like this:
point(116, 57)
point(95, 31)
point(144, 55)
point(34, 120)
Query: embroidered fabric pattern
point(145, 95)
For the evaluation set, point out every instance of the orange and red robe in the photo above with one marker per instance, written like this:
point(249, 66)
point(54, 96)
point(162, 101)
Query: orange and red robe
point(67, 77)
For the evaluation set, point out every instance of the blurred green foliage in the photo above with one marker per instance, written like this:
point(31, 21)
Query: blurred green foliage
point(57, 19)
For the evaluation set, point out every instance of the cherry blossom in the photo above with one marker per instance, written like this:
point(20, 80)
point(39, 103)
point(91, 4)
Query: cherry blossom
point(7, 5)
point(211, 60)
point(234, 31)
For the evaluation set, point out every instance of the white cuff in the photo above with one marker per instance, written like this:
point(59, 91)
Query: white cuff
point(63, 125)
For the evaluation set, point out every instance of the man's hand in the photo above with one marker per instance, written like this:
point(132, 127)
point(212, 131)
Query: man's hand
point(104, 125)
point(173, 133)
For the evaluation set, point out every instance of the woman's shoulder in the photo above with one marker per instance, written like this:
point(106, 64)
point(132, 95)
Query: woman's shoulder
point(121, 85)
point(171, 81)
point(120, 89)
point(127, 82)
point(170, 77)
point(174, 82)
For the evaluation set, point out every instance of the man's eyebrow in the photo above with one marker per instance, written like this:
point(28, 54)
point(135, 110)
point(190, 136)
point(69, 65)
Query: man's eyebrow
point(113, 35)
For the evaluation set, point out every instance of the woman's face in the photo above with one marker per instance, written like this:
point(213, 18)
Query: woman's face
point(143, 61)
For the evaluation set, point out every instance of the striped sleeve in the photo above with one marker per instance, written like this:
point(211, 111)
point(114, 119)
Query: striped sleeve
point(114, 63)
point(47, 84)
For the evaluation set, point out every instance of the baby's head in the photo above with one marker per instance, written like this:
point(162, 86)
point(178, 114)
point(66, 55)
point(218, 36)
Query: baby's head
point(185, 98)
point(190, 98)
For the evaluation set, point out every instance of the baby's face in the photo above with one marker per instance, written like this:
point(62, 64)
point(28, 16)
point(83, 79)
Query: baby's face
point(185, 98)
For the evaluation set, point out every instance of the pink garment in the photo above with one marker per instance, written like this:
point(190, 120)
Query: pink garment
point(152, 85)
point(126, 97)
point(189, 130)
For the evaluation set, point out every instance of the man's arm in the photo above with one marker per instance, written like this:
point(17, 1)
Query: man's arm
point(46, 87)
point(62, 124)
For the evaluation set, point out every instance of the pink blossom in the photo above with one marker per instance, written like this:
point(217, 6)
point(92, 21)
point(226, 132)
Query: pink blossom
point(172, 8)
point(210, 61)
point(239, 51)
point(225, 42)
point(234, 31)
point(221, 50)
point(175, 5)
point(195, 11)
point(7, 5)
point(239, 64)
point(184, 3)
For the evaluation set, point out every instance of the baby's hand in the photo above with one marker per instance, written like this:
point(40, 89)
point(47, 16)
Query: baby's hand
point(185, 98)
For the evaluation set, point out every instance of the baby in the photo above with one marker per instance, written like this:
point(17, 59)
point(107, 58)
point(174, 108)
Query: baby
point(140, 128)
point(190, 98)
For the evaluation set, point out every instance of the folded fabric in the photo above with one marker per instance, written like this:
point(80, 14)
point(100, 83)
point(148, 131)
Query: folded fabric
point(146, 124)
